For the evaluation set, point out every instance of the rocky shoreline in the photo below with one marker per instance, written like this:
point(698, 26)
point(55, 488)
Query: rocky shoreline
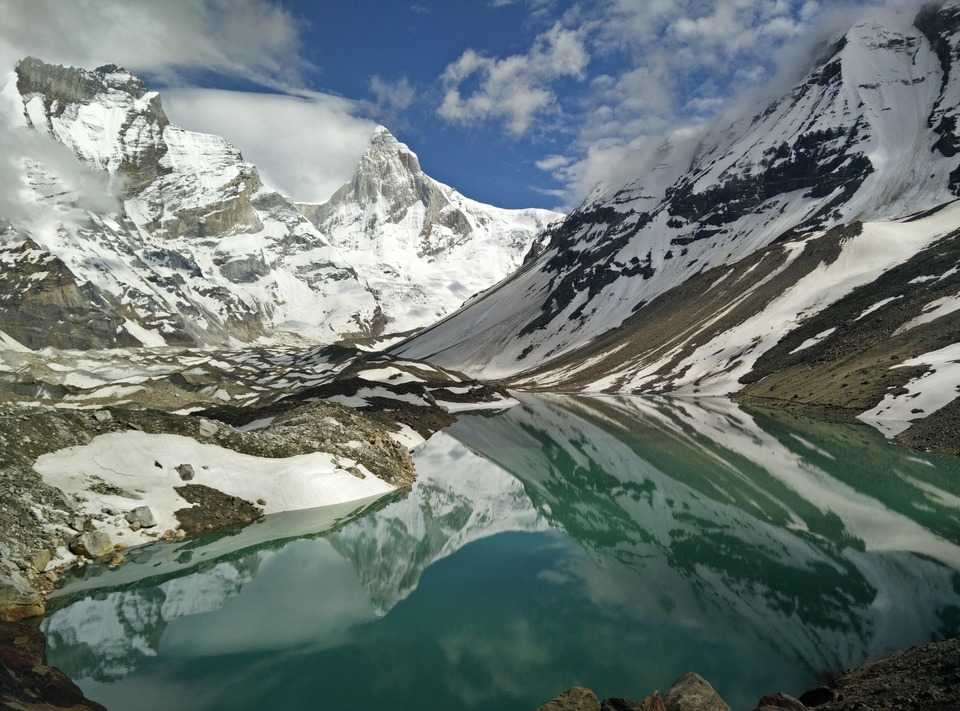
point(44, 531)
point(924, 678)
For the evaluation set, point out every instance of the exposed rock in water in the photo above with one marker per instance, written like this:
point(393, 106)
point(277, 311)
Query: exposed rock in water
point(213, 510)
point(26, 682)
point(575, 699)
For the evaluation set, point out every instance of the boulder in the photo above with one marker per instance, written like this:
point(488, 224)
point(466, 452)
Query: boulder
point(575, 699)
point(780, 702)
point(691, 692)
point(208, 428)
point(92, 544)
point(140, 517)
point(186, 472)
point(18, 600)
point(654, 702)
point(27, 682)
point(102, 415)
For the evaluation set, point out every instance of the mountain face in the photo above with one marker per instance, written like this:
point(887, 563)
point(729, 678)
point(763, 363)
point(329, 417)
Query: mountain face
point(421, 246)
point(186, 246)
point(190, 249)
point(807, 253)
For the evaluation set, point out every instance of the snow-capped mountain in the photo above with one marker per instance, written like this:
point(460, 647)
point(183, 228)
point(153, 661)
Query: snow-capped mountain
point(192, 248)
point(806, 249)
point(421, 246)
point(184, 244)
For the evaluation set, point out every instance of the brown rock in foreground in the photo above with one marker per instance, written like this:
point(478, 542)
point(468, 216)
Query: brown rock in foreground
point(18, 600)
point(575, 699)
point(692, 692)
point(654, 702)
point(26, 682)
point(923, 678)
point(780, 702)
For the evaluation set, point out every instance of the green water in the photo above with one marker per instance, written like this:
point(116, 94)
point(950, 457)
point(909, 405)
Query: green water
point(613, 543)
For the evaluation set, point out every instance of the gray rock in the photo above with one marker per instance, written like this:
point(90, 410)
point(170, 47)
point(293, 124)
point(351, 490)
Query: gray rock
point(18, 600)
point(817, 697)
point(654, 702)
point(245, 270)
point(92, 544)
point(780, 702)
point(575, 699)
point(186, 472)
point(102, 416)
point(208, 428)
point(142, 516)
point(691, 692)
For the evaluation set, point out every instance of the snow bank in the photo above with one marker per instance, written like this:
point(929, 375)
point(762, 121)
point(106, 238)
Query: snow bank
point(128, 461)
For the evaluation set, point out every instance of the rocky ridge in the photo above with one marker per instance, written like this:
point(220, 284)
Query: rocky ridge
point(419, 244)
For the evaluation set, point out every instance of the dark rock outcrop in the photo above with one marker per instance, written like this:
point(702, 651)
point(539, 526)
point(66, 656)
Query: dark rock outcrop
point(26, 682)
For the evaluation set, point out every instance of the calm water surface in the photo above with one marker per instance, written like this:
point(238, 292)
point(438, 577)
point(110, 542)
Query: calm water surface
point(613, 543)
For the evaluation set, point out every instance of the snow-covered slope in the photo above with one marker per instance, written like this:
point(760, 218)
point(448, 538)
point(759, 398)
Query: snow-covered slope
point(421, 246)
point(185, 245)
point(834, 197)
point(188, 247)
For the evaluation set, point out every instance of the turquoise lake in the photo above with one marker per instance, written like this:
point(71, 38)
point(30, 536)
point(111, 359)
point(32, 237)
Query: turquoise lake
point(609, 542)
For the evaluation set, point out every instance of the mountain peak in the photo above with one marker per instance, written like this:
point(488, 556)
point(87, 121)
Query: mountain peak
point(74, 84)
point(386, 155)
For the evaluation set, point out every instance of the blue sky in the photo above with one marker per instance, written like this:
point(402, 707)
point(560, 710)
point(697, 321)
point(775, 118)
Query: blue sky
point(514, 102)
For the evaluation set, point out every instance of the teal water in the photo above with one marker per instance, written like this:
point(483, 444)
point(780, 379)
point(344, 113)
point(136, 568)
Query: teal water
point(613, 543)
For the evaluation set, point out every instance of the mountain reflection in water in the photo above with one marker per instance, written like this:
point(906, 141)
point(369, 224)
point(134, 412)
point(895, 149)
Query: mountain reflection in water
point(610, 542)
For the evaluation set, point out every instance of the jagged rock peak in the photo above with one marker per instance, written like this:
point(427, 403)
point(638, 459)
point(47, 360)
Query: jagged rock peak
point(72, 84)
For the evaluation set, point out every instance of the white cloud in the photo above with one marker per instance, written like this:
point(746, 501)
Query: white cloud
point(684, 62)
point(255, 39)
point(514, 89)
point(305, 143)
point(306, 147)
point(392, 95)
point(553, 162)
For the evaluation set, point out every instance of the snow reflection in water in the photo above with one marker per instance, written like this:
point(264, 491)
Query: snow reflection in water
point(604, 541)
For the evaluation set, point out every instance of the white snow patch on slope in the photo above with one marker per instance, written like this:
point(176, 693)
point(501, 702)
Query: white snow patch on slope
point(814, 341)
point(8, 343)
point(933, 390)
point(127, 460)
point(149, 338)
point(931, 312)
point(880, 246)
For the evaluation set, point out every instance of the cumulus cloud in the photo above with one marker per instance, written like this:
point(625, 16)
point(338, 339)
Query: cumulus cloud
point(305, 146)
point(394, 95)
point(513, 89)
